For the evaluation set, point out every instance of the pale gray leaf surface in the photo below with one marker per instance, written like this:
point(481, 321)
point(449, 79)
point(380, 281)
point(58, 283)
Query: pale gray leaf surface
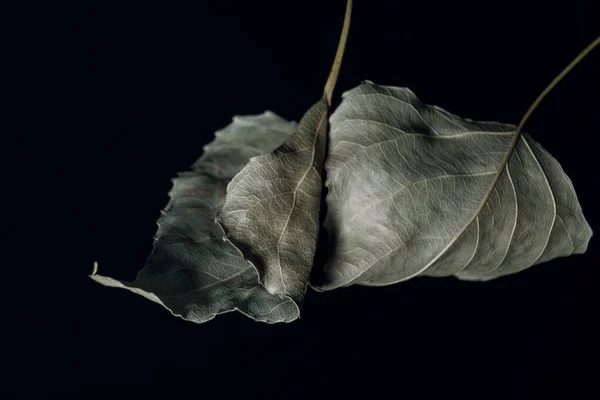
point(407, 184)
point(271, 211)
point(192, 272)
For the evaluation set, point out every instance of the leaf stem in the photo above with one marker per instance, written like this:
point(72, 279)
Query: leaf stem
point(517, 135)
point(555, 81)
point(337, 62)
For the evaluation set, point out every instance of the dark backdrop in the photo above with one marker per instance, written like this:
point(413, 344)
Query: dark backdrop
point(106, 101)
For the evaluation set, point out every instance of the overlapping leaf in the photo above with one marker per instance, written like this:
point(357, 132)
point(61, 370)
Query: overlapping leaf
point(271, 212)
point(408, 187)
point(413, 191)
point(192, 271)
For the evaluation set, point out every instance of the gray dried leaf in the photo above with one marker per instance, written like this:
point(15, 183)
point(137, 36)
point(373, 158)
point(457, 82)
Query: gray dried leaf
point(192, 272)
point(407, 195)
point(271, 212)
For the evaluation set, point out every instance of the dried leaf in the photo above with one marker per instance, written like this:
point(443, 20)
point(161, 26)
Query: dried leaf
point(192, 271)
point(271, 212)
point(407, 195)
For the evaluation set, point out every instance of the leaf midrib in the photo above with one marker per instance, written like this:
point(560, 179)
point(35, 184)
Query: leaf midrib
point(295, 195)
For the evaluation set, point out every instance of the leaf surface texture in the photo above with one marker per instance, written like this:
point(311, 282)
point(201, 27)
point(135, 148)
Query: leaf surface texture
point(271, 212)
point(407, 195)
point(191, 270)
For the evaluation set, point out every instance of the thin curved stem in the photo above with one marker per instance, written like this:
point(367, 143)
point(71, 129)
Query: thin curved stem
point(337, 62)
point(555, 81)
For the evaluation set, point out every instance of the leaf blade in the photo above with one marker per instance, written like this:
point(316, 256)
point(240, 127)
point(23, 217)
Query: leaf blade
point(191, 271)
point(262, 215)
point(384, 137)
point(271, 209)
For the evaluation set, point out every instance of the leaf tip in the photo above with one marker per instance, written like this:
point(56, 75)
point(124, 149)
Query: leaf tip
point(217, 221)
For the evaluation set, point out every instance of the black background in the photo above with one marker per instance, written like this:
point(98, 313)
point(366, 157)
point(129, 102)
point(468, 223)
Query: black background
point(106, 101)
